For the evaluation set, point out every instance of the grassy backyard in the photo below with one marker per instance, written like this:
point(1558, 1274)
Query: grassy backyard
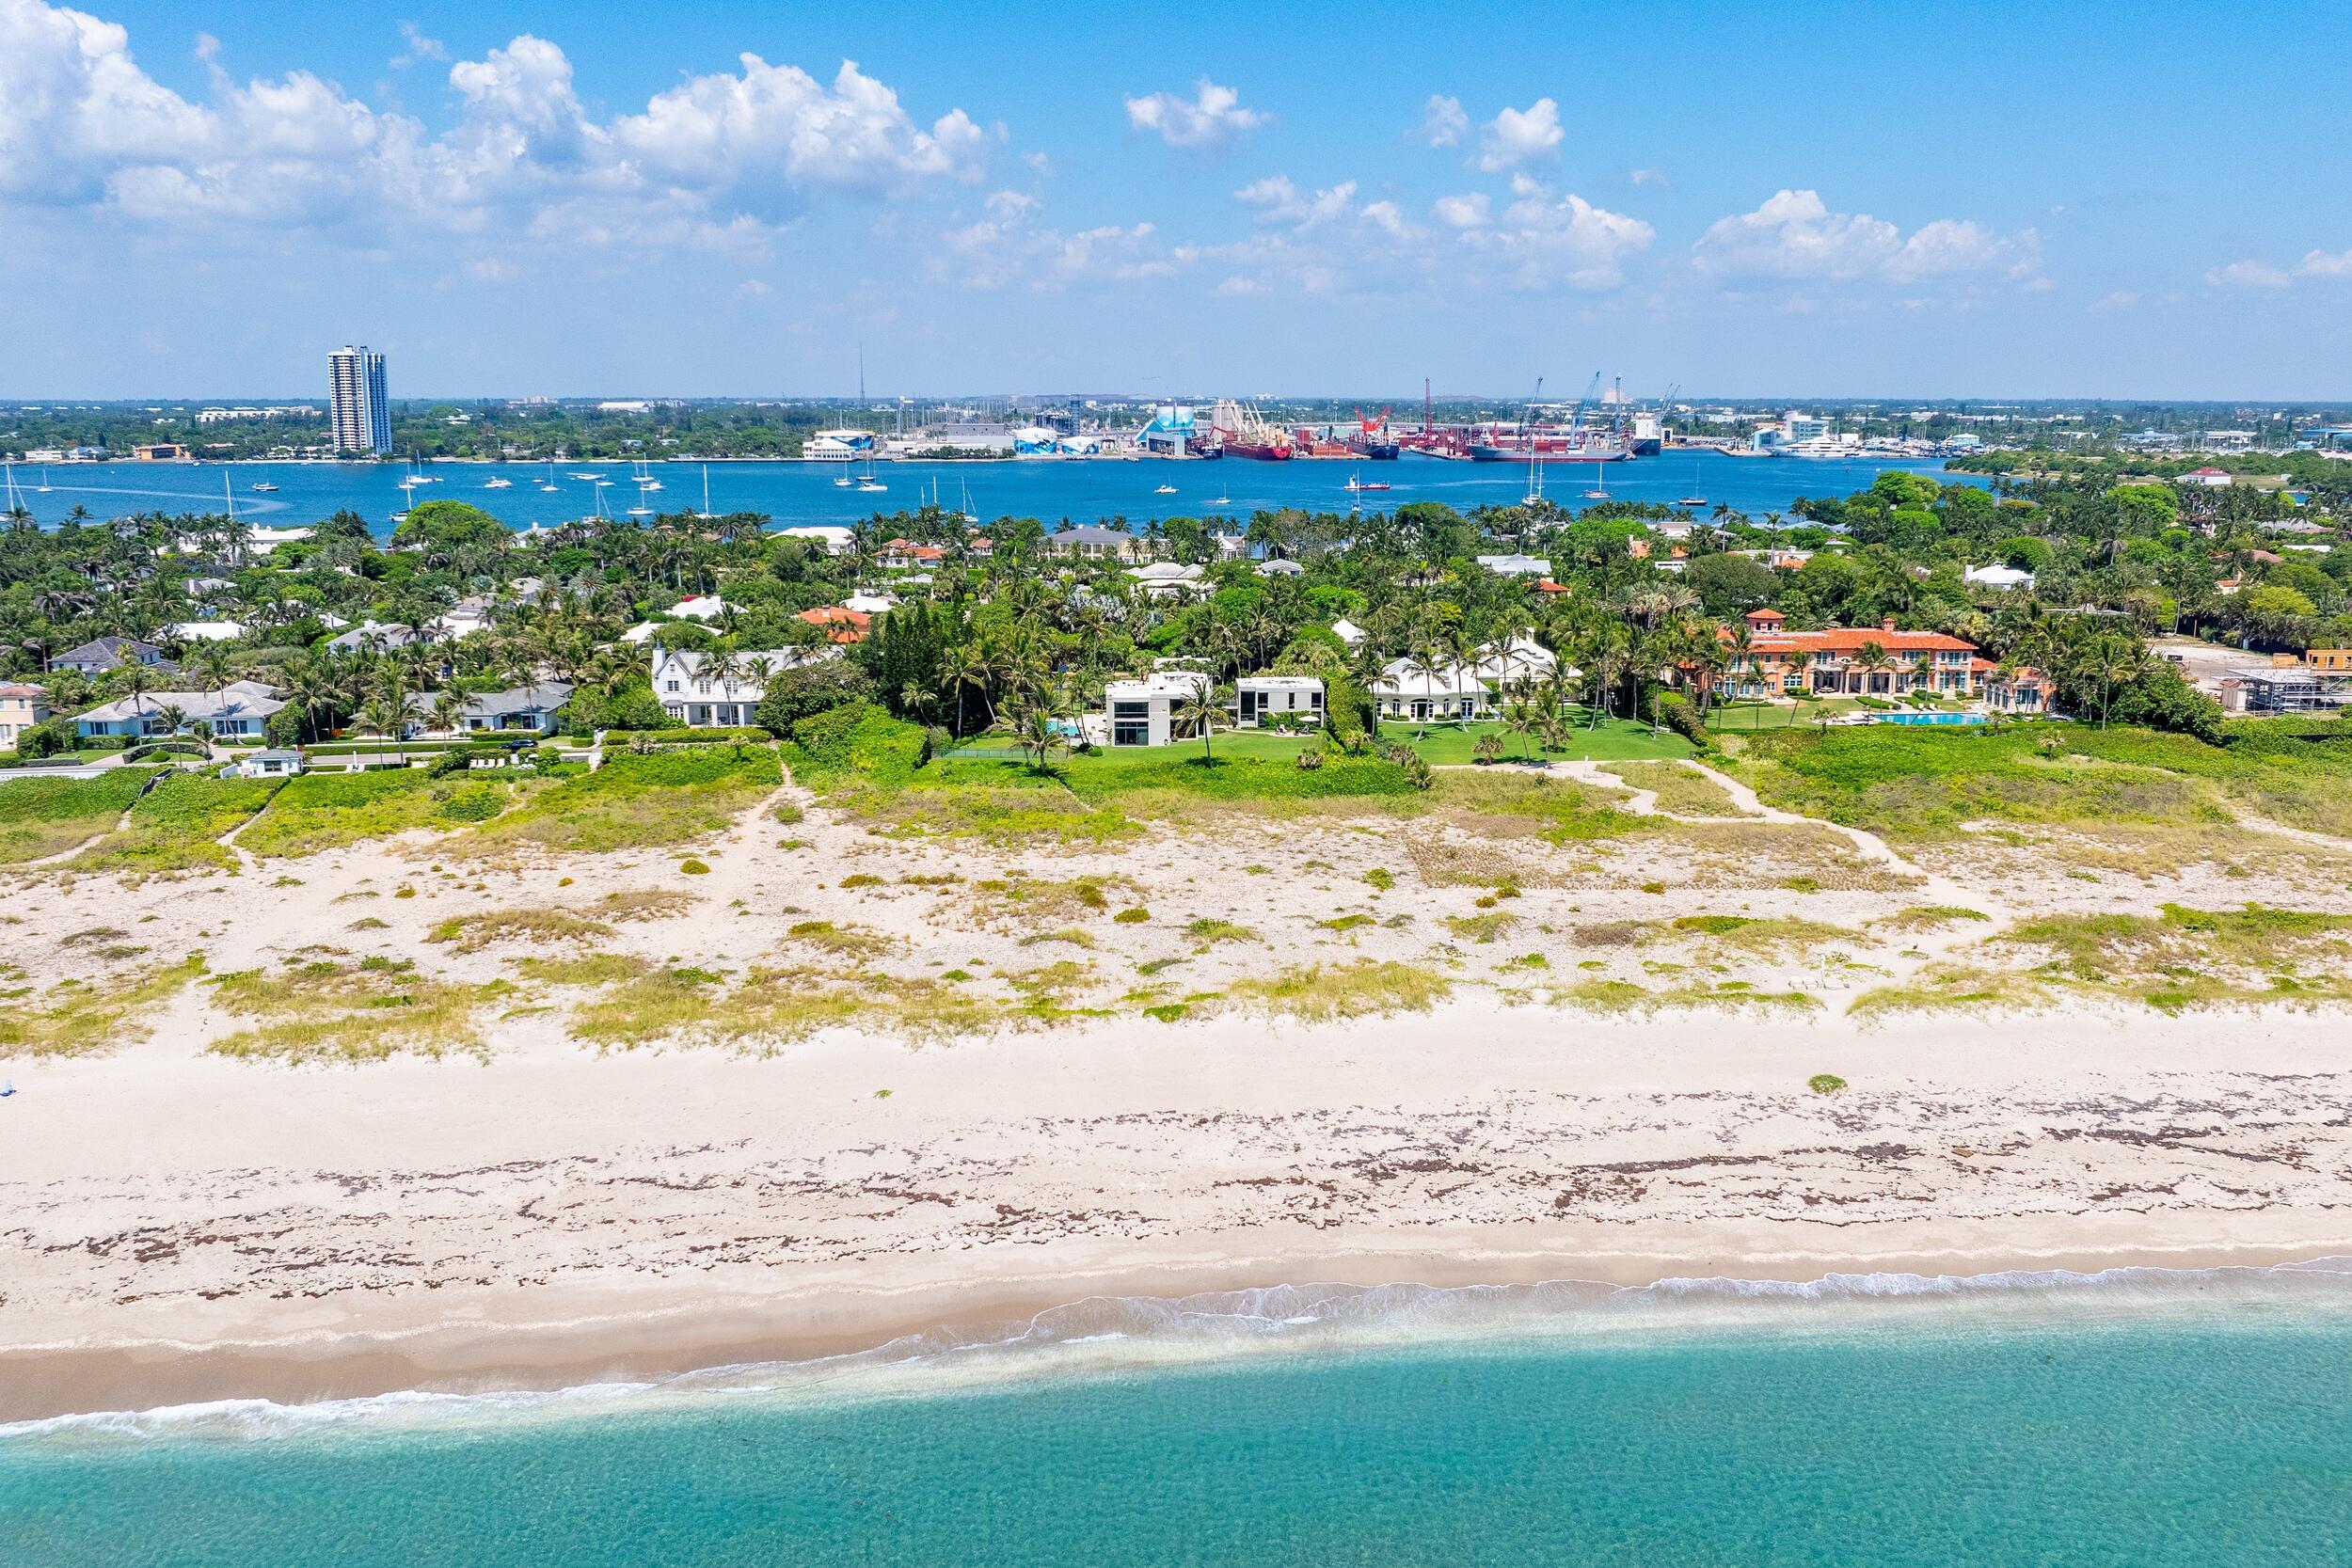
point(1612, 740)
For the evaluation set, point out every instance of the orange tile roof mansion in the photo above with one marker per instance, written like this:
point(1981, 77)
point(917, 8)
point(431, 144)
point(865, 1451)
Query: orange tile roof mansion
point(1953, 667)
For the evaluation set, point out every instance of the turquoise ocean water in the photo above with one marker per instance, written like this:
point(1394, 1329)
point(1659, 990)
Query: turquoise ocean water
point(2139, 1419)
point(805, 493)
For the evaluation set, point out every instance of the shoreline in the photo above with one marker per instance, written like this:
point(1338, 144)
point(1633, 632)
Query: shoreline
point(488, 1347)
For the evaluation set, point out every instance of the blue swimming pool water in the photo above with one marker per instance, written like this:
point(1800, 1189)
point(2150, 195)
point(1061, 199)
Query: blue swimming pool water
point(1930, 717)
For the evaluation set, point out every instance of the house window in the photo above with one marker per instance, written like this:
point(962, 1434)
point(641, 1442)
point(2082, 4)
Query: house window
point(672, 685)
point(1131, 724)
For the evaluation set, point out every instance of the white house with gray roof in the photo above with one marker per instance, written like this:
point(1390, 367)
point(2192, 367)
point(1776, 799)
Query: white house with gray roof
point(237, 711)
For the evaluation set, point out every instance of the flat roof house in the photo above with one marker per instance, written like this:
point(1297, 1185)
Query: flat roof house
point(273, 764)
point(236, 712)
point(101, 654)
point(1259, 699)
point(695, 688)
point(1143, 712)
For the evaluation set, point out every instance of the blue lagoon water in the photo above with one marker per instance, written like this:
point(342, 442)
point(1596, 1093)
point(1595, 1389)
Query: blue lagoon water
point(1082, 491)
point(2146, 1419)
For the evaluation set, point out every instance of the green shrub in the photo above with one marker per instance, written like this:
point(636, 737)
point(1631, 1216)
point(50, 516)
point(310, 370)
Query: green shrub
point(793, 695)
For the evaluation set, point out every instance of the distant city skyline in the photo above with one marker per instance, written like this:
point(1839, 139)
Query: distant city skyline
point(2124, 202)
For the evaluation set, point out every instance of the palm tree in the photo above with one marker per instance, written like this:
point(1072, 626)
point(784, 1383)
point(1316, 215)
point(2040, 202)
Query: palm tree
point(964, 666)
point(1870, 659)
point(1525, 720)
point(1486, 747)
point(134, 680)
point(2108, 663)
point(1741, 651)
point(1199, 712)
point(1035, 729)
point(449, 711)
point(175, 718)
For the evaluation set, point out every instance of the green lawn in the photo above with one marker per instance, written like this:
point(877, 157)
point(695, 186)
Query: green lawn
point(1614, 740)
point(1745, 716)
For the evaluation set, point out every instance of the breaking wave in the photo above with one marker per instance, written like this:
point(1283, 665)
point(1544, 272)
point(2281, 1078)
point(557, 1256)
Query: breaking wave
point(1109, 1335)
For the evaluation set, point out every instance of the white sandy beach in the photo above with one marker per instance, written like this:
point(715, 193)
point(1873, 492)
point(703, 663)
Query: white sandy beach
point(552, 1215)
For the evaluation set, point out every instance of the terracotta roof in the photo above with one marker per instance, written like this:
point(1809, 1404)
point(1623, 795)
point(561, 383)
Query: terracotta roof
point(1847, 640)
point(839, 624)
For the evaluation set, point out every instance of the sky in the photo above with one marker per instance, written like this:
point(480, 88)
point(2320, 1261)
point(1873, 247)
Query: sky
point(200, 198)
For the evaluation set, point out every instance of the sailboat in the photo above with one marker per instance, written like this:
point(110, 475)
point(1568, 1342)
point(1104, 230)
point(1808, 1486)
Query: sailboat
point(869, 485)
point(43, 489)
point(1220, 501)
point(1164, 490)
point(706, 514)
point(1600, 492)
point(548, 483)
point(1693, 498)
point(969, 515)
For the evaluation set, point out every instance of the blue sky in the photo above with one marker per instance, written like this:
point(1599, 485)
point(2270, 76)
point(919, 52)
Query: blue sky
point(199, 200)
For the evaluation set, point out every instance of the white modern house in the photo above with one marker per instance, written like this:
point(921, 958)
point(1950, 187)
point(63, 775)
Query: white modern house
point(1408, 690)
point(272, 764)
point(236, 712)
point(1517, 565)
point(1259, 700)
point(722, 690)
point(1143, 712)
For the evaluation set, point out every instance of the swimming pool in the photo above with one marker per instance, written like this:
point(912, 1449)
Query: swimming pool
point(1930, 717)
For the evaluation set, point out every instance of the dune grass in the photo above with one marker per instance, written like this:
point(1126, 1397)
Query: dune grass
point(1324, 993)
point(672, 796)
point(470, 933)
point(76, 1017)
point(177, 826)
point(324, 1007)
point(768, 1007)
point(40, 817)
point(327, 811)
point(1681, 791)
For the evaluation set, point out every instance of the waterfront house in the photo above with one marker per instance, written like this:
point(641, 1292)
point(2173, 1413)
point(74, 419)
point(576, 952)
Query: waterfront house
point(1259, 700)
point(237, 711)
point(204, 631)
point(722, 690)
point(1409, 690)
point(1833, 662)
point(1997, 576)
point(1517, 565)
point(2024, 689)
point(22, 707)
point(534, 709)
point(1507, 664)
point(702, 607)
point(1149, 710)
point(101, 654)
point(1092, 542)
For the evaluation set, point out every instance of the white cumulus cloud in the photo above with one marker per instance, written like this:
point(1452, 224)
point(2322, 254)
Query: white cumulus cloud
point(714, 160)
point(1443, 123)
point(2254, 273)
point(1213, 116)
point(1519, 137)
point(1794, 234)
